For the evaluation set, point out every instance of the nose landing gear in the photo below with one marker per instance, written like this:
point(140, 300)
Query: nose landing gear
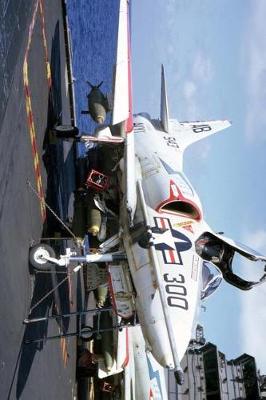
point(39, 257)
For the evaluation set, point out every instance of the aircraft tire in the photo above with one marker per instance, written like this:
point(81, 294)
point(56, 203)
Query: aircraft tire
point(36, 255)
point(66, 131)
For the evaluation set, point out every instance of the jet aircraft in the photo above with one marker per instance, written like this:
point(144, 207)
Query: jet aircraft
point(157, 246)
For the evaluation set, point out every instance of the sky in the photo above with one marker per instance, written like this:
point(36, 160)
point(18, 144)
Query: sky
point(214, 53)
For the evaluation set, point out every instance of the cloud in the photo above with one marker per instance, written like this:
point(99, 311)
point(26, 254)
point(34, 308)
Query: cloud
point(257, 239)
point(170, 8)
point(202, 69)
point(254, 49)
point(189, 90)
point(199, 74)
point(190, 102)
point(253, 316)
point(191, 94)
point(253, 322)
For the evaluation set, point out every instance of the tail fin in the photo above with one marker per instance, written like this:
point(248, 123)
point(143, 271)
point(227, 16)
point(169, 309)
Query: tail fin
point(164, 104)
point(95, 86)
point(187, 133)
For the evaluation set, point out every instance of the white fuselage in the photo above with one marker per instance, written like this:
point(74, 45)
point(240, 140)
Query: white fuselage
point(167, 275)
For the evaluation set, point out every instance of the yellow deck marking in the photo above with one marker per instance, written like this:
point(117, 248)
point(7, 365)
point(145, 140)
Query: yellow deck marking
point(31, 125)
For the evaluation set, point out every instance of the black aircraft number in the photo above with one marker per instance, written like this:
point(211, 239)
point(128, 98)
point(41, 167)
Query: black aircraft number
point(176, 291)
point(171, 141)
point(201, 128)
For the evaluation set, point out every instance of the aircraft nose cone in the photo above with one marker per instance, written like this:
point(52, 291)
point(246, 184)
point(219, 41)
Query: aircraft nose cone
point(99, 119)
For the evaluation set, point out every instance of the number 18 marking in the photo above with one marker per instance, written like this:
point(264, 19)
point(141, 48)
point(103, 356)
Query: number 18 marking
point(201, 128)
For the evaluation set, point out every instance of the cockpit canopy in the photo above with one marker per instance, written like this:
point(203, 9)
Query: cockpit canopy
point(211, 279)
point(221, 251)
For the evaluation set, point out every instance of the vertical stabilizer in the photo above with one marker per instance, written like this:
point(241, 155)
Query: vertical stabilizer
point(164, 104)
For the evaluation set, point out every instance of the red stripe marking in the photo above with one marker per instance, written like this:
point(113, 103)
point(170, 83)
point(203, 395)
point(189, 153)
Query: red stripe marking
point(48, 69)
point(34, 146)
point(37, 170)
point(180, 197)
point(26, 87)
point(30, 115)
point(30, 118)
point(162, 223)
point(172, 256)
point(127, 350)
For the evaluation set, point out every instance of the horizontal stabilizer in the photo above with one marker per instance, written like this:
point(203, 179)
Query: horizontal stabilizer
point(164, 104)
point(187, 133)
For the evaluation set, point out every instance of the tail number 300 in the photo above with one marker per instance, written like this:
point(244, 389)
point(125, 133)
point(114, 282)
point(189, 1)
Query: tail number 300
point(176, 291)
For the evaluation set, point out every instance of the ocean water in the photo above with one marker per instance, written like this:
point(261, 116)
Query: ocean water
point(93, 27)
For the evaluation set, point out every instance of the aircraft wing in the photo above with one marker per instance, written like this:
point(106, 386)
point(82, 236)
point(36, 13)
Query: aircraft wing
point(122, 116)
point(122, 85)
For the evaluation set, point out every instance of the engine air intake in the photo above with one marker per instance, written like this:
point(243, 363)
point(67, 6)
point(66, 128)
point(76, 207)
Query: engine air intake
point(182, 208)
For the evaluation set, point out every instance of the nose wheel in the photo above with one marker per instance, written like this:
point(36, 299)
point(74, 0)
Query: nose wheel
point(38, 257)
